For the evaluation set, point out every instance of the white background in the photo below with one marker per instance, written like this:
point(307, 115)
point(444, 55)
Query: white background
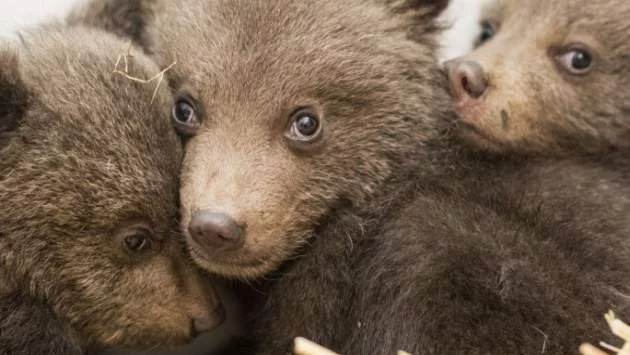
point(15, 14)
point(463, 17)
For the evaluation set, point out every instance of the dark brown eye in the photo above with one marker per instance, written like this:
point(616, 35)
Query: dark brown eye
point(576, 60)
point(488, 30)
point(305, 125)
point(138, 241)
point(185, 116)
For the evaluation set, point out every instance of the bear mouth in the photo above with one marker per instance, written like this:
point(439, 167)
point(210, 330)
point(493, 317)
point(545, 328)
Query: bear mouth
point(470, 132)
point(224, 260)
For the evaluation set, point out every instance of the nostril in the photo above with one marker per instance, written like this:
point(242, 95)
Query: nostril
point(468, 79)
point(465, 83)
point(474, 80)
point(224, 238)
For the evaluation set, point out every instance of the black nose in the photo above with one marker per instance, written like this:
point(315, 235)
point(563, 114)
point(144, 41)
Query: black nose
point(468, 79)
point(216, 231)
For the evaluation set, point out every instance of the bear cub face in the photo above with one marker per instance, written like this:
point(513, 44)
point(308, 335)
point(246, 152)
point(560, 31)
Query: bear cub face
point(546, 77)
point(88, 180)
point(293, 110)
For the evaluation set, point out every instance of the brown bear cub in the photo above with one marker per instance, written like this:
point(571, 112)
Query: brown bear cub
point(546, 77)
point(316, 161)
point(89, 249)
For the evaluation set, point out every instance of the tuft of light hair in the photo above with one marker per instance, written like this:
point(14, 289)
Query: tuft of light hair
point(124, 58)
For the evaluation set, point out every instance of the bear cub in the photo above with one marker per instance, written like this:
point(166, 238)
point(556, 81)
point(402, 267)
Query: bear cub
point(546, 77)
point(90, 253)
point(316, 166)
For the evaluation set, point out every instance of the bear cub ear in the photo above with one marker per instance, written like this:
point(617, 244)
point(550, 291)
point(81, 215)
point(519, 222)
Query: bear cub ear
point(14, 96)
point(125, 18)
point(423, 8)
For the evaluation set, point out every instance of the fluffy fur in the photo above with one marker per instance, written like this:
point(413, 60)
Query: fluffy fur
point(382, 235)
point(341, 65)
point(533, 104)
point(87, 161)
point(124, 18)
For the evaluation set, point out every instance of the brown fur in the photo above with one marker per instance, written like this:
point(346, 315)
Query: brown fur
point(388, 238)
point(550, 110)
point(521, 258)
point(86, 157)
point(15, 98)
point(258, 178)
point(124, 18)
point(371, 85)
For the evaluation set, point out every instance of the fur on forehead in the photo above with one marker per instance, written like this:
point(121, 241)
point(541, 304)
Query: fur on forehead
point(66, 97)
point(607, 22)
point(252, 30)
point(132, 18)
point(604, 22)
point(80, 61)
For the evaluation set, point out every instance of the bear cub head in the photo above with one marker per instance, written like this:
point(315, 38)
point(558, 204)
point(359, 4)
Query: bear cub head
point(292, 111)
point(546, 77)
point(89, 188)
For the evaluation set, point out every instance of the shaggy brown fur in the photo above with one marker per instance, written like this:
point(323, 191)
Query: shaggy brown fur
point(379, 235)
point(341, 66)
point(255, 64)
point(89, 167)
point(122, 17)
point(534, 102)
point(508, 257)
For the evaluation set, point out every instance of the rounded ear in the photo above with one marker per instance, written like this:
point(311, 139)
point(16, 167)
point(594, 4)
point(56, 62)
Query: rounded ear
point(14, 95)
point(421, 8)
point(125, 18)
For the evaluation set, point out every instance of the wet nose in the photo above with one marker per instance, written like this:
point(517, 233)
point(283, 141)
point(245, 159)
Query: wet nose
point(216, 231)
point(468, 79)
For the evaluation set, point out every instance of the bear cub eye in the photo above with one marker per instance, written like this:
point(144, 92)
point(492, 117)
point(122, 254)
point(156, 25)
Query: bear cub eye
point(576, 60)
point(185, 116)
point(488, 30)
point(305, 125)
point(138, 240)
